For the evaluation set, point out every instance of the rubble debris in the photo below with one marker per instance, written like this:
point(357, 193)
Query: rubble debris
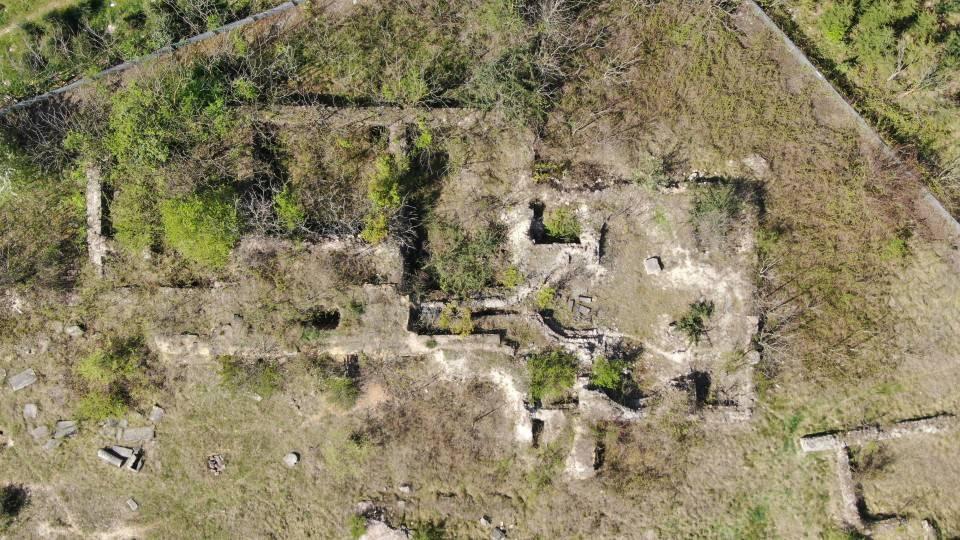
point(585, 299)
point(216, 464)
point(30, 411)
point(498, 533)
point(156, 414)
point(65, 428)
point(23, 379)
point(137, 434)
point(40, 432)
point(109, 457)
point(133, 505)
point(653, 265)
point(51, 444)
point(135, 463)
point(485, 521)
point(405, 489)
point(291, 459)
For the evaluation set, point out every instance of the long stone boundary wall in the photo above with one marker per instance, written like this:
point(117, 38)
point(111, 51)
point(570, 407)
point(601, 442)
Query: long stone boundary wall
point(937, 218)
point(159, 53)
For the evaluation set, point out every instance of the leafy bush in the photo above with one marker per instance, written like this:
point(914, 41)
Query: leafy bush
point(133, 215)
point(384, 189)
point(552, 375)
point(545, 298)
point(342, 391)
point(261, 377)
point(110, 378)
point(357, 526)
point(202, 227)
point(289, 210)
point(457, 319)
point(836, 20)
point(462, 263)
point(511, 278)
point(608, 374)
point(562, 225)
point(694, 322)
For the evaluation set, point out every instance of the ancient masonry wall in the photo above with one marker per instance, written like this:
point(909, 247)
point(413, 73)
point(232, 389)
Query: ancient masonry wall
point(937, 218)
point(159, 53)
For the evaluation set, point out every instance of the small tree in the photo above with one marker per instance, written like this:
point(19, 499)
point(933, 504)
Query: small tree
point(202, 227)
point(694, 322)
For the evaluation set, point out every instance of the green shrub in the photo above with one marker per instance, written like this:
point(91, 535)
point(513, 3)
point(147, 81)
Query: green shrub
point(133, 215)
point(202, 227)
point(342, 391)
point(462, 264)
point(456, 319)
point(545, 298)
point(694, 322)
point(289, 210)
point(384, 189)
point(511, 278)
point(13, 499)
point(424, 140)
point(608, 374)
point(562, 225)
point(357, 526)
point(98, 406)
point(261, 377)
point(836, 20)
point(552, 375)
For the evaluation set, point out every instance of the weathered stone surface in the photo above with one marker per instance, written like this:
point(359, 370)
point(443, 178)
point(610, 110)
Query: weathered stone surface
point(498, 534)
point(156, 414)
point(580, 461)
point(109, 457)
point(23, 379)
point(133, 505)
point(378, 530)
point(291, 459)
point(554, 422)
point(820, 443)
point(73, 331)
point(652, 265)
point(406, 489)
point(51, 444)
point(30, 411)
point(122, 451)
point(137, 434)
point(65, 428)
point(757, 165)
point(40, 432)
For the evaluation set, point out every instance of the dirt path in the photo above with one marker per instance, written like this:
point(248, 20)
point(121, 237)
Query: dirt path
point(35, 14)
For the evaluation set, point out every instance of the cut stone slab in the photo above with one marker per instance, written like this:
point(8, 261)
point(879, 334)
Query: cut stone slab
point(653, 265)
point(73, 331)
point(23, 379)
point(156, 414)
point(123, 451)
point(405, 489)
point(291, 459)
point(137, 434)
point(65, 428)
point(109, 457)
point(498, 534)
point(40, 432)
point(820, 443)
point(51, 444)
point(133, 505)
point(30, 411)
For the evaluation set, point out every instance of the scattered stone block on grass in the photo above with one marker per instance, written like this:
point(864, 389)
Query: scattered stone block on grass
point(65, 428)
point(40, 432)
point(291, 459)
point(73, 331)
point(30, 411)
point(133, 505)
point(51, 444)
point(137, 434)
point(156, 414)
point(653, 265)
point(23, 379)
point(216, 464)
point(107, 456)
point(123, 451)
